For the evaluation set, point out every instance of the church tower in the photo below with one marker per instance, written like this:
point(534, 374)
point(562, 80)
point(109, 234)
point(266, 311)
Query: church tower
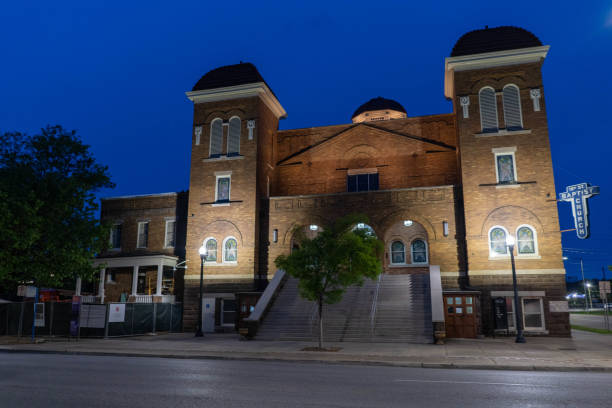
point(494, 78)
point(235, 121)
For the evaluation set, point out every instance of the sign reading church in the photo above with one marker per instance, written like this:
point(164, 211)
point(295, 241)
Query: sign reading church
point(577, 195)
point(443, 192)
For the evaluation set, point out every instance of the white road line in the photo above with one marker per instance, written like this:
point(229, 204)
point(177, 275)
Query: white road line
point(474, 382)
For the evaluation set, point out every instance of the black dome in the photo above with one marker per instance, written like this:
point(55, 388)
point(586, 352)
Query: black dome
point(379, 103)
point(494, 39)
point(229, 75)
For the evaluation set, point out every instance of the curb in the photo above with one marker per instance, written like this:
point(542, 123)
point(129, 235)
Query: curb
point(290, 359)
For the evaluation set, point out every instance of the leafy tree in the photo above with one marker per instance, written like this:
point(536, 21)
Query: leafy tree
point(48, 229)
point(336, 258)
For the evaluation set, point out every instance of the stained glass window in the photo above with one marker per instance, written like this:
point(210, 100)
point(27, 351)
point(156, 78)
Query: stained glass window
point(419, 251)
point(498, 241)
point(397, 253)
point(211, 250)
point(505, 168)
point(231, 251)
point(525, 241)
point(223, 189)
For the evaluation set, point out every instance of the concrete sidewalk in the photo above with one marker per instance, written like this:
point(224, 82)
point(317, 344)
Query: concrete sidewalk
point(584, 352)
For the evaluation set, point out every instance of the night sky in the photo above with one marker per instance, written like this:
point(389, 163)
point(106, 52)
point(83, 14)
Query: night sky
point(117, 72)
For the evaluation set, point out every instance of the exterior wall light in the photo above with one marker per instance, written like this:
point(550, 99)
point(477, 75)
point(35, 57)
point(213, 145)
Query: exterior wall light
point(275, 235)
point(407, 223)
point(314, 227)
point(445, 228)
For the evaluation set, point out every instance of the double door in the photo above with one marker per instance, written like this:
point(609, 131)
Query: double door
point(460, 315)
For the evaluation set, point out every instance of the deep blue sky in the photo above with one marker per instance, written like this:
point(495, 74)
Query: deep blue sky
point(117, 72)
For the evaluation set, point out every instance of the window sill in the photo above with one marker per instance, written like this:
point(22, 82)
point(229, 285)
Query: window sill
point(220, 204)
point(504, 132)
point(221, 264)
point(414, 265)
point(223, 157)
point(507, 257)
point(513, 185)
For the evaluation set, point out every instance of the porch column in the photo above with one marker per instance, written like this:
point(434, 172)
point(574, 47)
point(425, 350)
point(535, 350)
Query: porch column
point(77, 288)
point(160, 274)
point(135, 280)
point(101, 285)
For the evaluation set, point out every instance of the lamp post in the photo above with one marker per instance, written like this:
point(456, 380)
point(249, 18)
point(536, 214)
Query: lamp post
point(202, 252)
point(517, 312)
point(588, 285)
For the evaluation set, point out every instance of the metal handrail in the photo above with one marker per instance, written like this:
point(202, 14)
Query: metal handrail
point(374, 303)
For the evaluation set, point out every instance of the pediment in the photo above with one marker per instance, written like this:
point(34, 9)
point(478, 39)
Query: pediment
point(361, 143)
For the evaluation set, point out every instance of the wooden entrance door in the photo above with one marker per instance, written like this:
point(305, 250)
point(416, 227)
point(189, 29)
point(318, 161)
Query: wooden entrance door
point(460, 315)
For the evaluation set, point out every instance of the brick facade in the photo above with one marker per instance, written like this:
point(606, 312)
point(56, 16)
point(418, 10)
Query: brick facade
point(438, 171)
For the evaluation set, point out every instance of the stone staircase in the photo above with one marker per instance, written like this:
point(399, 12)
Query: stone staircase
point(394, 308)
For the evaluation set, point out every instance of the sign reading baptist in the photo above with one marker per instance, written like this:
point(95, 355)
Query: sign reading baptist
point(577, 195)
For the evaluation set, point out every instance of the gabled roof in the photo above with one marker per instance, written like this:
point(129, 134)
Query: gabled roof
point(371, 126)
point(494, 39)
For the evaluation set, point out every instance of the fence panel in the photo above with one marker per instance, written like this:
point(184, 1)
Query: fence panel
point(4, 318)
point(176, 317)
point(143, 318)
point(162, 318)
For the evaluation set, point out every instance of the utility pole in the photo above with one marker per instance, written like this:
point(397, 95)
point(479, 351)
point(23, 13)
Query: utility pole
point(584, 285)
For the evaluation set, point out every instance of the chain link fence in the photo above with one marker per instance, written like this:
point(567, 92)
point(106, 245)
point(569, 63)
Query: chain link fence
point(16, 319)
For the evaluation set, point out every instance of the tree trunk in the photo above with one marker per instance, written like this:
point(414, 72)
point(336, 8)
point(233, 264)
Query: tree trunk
point(320, 323)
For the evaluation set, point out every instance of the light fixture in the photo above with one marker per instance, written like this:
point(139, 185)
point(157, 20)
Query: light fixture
point(314, 227)
point(275, 235)
point(445, 228)
point(202, 251)
point(407, 223)
point(361, 225)
point(510, 240)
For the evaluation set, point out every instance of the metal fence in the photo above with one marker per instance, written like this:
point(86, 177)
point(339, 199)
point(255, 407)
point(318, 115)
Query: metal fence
point(140, 318)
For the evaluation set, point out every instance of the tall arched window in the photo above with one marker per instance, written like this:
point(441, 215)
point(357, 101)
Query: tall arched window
point(525, 240)
point(233, 137)
point(230, 250)
point(216, 137)
point(418, 251)
point(211, 249)
point(512, 107)
point(497, 241)
point(488, 110)
point(398, 254)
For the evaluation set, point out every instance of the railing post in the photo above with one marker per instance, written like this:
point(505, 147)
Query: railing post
point(154, 316)
point(20, 326)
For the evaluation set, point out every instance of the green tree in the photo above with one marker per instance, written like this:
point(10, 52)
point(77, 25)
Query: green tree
point(48, 227)
point(338, 257)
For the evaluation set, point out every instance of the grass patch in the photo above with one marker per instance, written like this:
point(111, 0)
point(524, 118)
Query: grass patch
point(598, 313)
point(590, 329)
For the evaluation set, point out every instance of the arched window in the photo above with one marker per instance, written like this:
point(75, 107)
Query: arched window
point(525, 240)
point(233, 137)
point(230, 250)
point(398, 254)
point(216, 137)
point(211, 249)
point(497, 241)
point(512, 107)
point(418, 250)
point(488, 110)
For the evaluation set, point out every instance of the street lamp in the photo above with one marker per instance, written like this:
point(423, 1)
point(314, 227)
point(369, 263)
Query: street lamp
point(202, 252)
point(517, 312)
point(588, 285)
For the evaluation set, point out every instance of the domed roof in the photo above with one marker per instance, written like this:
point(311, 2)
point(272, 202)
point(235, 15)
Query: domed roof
point(377, 104)
point(229, 75)
point(494, 39)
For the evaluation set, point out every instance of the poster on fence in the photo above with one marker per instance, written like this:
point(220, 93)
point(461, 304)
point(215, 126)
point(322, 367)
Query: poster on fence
point(74, 315)
point(39, 314)
point(93, 316)
point(116, 313)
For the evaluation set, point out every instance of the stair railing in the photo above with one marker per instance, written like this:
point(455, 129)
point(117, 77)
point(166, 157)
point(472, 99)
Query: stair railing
point(373, 308)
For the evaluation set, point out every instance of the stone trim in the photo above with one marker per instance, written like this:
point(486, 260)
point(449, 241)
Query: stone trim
point(481, 272)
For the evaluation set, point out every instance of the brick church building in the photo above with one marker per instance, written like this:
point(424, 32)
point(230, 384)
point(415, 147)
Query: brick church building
point(443, 192)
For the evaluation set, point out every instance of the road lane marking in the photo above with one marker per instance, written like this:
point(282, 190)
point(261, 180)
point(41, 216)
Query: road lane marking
point(476, 382)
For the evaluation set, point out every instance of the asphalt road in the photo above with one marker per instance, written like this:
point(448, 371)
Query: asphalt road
point(46, 380)
point(594, 321)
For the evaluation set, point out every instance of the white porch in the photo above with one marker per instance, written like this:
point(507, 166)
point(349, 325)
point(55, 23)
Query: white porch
point(135, 263)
